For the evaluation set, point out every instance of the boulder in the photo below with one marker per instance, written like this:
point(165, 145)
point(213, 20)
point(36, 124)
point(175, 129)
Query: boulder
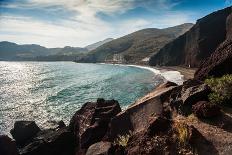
point(90, 123)
point(136, 117)
point(23, 131)
point(94, 133)
point(158, 124)
point(7, 146)
point(183, 97)
point(187, 95)
point(100, 148)
point(193, 93)
point(205, 109)
point(50, 142)
point(61, 124)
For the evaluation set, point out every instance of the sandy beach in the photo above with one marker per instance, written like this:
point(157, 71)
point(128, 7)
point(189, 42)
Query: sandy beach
point(188, 73)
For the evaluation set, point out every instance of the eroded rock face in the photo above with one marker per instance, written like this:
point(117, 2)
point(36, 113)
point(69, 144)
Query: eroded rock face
point(220, 62)
point(187, 95)
point(192, 48)
point(7, 146)
point(193, 94)
point(23, 131)
point(204, 109)
point(136, 117)
point(90, 123)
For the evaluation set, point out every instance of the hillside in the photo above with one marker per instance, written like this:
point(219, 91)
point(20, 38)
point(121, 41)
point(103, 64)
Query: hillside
point(135, 47)
point(97, 44)
point(13, 51)
point(193, 47)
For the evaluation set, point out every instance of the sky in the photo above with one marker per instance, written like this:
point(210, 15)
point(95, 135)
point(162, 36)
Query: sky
point(59, 23)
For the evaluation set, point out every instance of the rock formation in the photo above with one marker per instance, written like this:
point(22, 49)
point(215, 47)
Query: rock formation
point(192, 48)
point(220, 62)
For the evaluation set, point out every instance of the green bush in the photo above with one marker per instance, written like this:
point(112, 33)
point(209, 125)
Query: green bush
point(221, 89)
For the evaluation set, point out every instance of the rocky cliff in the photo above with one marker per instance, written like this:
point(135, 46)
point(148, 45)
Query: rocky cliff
point(193, 47)
point(220, 62)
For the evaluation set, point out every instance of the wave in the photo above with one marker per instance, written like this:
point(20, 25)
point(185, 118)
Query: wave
point(173, 76)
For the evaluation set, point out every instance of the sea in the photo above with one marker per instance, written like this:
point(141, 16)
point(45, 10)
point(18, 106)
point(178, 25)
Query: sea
point(48, 92)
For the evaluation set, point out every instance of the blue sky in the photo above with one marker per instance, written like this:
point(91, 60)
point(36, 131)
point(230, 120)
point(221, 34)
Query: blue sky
point(58, 23)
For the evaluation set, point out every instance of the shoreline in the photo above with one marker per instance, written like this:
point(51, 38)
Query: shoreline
point(176, 74)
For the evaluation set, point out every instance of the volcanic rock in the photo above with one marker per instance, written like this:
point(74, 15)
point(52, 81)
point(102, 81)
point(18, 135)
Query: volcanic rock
point(136, 117)
point(204, 109)
point(7, 146)
point(50, 142)
point(90, 123)
point(23, 131)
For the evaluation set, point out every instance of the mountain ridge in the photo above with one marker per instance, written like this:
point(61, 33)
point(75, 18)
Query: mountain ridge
point(136, 46)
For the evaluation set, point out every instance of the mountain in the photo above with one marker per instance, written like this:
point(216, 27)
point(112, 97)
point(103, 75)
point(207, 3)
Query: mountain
point(13, 51)
point(10, 50)
point(135, 47)
point(97, 44)
point(196, 45)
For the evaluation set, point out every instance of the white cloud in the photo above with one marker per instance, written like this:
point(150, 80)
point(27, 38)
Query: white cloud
point(84, 26)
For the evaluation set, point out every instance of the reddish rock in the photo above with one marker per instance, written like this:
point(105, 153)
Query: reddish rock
point(183, 97)
point(158, 124)
point(194, 94)
point(23, 131)
point(94, 133)
point(204, 109)
point(7, 146)
point(90, 123)
point(136, 117)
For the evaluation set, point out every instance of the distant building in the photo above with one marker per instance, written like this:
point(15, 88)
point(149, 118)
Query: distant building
point(117, 58)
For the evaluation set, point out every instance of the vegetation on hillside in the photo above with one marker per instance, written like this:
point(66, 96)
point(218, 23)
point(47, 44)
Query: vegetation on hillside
point(136, 46)
point(222, 89)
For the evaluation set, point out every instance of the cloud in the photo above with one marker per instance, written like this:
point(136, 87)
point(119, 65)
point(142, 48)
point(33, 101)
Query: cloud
point(83, 26)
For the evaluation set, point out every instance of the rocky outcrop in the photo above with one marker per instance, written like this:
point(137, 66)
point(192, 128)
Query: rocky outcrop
point(184, 97)
point(143, 128)
point(90, 123)
point(50, 142)
point(192, 48)
point(220, 62)
point(137, 116)
point(7, 146)
point(204, 109)
point(24, 131)
point(190, 94)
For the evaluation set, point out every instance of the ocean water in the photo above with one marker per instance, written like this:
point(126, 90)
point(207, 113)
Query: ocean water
point(53, 91)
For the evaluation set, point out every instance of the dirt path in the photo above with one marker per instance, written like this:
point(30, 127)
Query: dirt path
point(217, 131)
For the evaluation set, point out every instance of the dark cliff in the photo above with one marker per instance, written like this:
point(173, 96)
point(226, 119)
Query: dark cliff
point(193, 47)
point(220, 62)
